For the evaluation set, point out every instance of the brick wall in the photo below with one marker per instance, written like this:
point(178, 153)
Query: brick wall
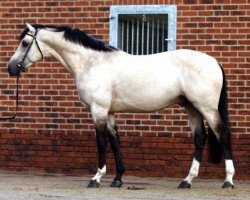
point(54, 133)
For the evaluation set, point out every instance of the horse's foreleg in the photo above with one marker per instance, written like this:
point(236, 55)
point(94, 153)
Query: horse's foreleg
point(199, 132)
point(115, 146)
point(100, 121)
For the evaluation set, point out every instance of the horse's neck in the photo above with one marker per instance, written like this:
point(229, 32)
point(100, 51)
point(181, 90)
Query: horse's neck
point(73, 57)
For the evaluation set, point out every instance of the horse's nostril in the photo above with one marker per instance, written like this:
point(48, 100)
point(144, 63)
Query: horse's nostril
point(10, 71)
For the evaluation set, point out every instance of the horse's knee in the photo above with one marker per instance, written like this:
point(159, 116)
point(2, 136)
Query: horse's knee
point(100, 124)
point(100, 116)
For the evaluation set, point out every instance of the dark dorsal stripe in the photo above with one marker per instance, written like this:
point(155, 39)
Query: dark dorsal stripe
point(76, 36)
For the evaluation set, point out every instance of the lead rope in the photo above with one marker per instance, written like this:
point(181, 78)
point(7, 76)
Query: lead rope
point(17, 93)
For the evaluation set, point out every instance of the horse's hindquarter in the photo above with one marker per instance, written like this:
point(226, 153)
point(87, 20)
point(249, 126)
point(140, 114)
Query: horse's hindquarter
point(144, 83)
point(201, 77)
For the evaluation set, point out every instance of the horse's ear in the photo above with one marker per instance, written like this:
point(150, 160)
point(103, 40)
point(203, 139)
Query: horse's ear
point(31, 28)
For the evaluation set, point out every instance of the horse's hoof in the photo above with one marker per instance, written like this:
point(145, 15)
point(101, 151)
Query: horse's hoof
point(116, 183)
point(93, 184)
point(184, 185)
point(228, 185)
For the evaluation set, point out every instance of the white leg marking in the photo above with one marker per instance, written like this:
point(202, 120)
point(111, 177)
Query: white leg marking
point(229, 170)
point(193, 172)
point(99, 174)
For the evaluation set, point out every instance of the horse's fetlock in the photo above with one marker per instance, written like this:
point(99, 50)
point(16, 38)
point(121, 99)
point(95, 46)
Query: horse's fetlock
point(102, 171)
point(194, 170)
point(121, 170)
point(230, 167)
point(193, 173)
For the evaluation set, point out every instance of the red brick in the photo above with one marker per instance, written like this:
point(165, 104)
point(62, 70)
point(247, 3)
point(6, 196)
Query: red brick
point(50, 108)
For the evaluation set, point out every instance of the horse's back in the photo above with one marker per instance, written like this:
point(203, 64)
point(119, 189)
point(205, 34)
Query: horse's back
point(169, 67)
point(194, 62)
point(182, 59)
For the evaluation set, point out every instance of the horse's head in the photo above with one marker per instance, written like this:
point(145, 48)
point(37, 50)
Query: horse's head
point(28, 52)
point(38, 41)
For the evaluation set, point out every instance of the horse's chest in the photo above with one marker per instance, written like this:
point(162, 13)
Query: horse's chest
point(93, 91)
point(84, 94)
point(85, 97)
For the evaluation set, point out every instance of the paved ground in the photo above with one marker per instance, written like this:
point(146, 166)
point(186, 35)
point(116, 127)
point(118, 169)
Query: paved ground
point(25, 186)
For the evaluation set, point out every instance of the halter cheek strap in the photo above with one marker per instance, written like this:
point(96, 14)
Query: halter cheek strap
point(20, 64)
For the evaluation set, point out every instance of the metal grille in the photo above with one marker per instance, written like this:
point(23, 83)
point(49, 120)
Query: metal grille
point(142, 34)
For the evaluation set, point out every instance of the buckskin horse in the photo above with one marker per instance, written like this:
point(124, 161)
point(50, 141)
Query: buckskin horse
point(109, 80)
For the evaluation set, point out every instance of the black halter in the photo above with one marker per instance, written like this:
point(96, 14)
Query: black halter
point(22, 68)
point(20, 64)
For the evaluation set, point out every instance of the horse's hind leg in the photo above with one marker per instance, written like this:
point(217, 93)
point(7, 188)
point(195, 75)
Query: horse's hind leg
point(198, 129)
point(113, 138)
point(222, 134)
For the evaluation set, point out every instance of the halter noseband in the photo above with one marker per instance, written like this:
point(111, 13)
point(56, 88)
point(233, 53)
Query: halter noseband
point(20, 64)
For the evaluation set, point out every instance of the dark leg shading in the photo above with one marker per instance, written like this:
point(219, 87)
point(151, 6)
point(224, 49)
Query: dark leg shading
point(101, 138)
point(115, 146)
point(200, 138)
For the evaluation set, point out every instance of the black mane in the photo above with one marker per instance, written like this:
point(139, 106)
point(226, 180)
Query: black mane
point(76, 36)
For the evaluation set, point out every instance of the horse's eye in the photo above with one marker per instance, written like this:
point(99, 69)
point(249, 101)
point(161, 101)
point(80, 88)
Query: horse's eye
point(25, 43)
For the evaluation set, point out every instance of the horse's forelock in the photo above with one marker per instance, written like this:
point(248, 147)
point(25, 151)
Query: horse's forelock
point(23, 33)
point(36, 26)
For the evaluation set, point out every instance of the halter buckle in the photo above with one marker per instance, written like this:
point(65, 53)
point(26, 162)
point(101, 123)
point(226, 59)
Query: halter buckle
point(21, 67)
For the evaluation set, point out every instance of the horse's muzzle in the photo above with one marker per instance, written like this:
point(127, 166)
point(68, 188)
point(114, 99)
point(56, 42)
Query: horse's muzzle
point(14, 69)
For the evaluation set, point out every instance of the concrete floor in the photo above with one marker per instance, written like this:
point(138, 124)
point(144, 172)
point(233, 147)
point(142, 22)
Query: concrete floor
point(23, 186)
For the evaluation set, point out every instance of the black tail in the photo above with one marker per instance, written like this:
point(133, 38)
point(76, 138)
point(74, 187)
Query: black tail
point(214, 147)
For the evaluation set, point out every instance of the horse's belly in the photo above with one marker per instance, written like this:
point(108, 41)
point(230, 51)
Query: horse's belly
point(145, 92)
point(143, 101)
point(138, 108)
